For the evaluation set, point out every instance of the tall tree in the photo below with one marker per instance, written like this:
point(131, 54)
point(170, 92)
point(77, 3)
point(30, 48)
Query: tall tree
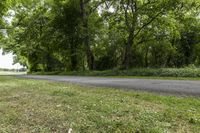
point(68, 35)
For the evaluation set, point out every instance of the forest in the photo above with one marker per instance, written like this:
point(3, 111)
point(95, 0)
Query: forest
point(79, 35)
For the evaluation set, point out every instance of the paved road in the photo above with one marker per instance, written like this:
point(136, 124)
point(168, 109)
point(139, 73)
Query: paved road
point(174, 87)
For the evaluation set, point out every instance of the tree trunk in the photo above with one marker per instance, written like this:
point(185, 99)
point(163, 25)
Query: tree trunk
point(73, 53)
point(131, 25)
point(128, 51)
point(89, 54)
point(146, 58)
point(86, 37)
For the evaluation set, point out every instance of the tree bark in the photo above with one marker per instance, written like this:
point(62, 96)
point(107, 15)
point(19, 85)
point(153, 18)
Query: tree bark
point(130, 24)
point(146, 58)
point(128, 51)
point(73, 57)
point(86, 37)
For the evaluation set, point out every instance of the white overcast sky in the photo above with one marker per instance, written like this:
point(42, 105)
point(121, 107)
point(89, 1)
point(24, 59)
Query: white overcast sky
point(6, 61)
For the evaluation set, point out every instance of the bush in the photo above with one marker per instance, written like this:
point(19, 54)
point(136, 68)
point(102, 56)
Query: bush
point(160, 72)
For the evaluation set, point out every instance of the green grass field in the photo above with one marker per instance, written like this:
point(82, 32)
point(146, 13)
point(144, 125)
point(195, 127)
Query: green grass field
point(42, 106)
point(11, 73)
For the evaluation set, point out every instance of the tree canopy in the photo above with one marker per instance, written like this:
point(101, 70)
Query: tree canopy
point(73, 35)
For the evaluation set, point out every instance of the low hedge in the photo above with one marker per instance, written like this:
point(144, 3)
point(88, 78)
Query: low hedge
point(160, 72)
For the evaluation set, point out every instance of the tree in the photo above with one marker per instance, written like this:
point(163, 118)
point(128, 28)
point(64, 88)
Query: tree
point(69, 35)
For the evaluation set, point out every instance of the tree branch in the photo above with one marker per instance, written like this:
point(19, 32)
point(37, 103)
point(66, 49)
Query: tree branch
point(126, 14)
point(149, 22)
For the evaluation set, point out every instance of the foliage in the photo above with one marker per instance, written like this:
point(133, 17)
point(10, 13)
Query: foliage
point(68, 35)
point(190, 72)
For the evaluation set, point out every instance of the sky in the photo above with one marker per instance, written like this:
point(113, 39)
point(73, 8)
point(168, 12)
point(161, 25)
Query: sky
point(6, 61)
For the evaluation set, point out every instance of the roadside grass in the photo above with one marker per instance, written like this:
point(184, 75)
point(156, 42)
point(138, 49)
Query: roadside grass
point(159, 73)
point(42, 106)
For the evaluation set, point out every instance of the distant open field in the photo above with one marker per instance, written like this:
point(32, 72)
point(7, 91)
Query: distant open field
point(11, 73)
point(42, 106)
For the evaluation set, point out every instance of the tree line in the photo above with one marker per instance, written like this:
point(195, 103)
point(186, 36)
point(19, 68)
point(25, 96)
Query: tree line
point(77, 35)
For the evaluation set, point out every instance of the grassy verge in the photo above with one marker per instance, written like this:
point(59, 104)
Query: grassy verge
point(162, 73)
point(42, 106)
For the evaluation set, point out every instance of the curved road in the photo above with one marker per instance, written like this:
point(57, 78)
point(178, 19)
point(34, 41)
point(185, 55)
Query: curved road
point(173, 87)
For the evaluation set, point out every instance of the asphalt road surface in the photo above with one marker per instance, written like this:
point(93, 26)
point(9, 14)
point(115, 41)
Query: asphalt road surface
point(172, 87)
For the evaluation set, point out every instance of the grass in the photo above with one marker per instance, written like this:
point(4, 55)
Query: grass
point(11, 73)
point(42, 106)
point(168, 73)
